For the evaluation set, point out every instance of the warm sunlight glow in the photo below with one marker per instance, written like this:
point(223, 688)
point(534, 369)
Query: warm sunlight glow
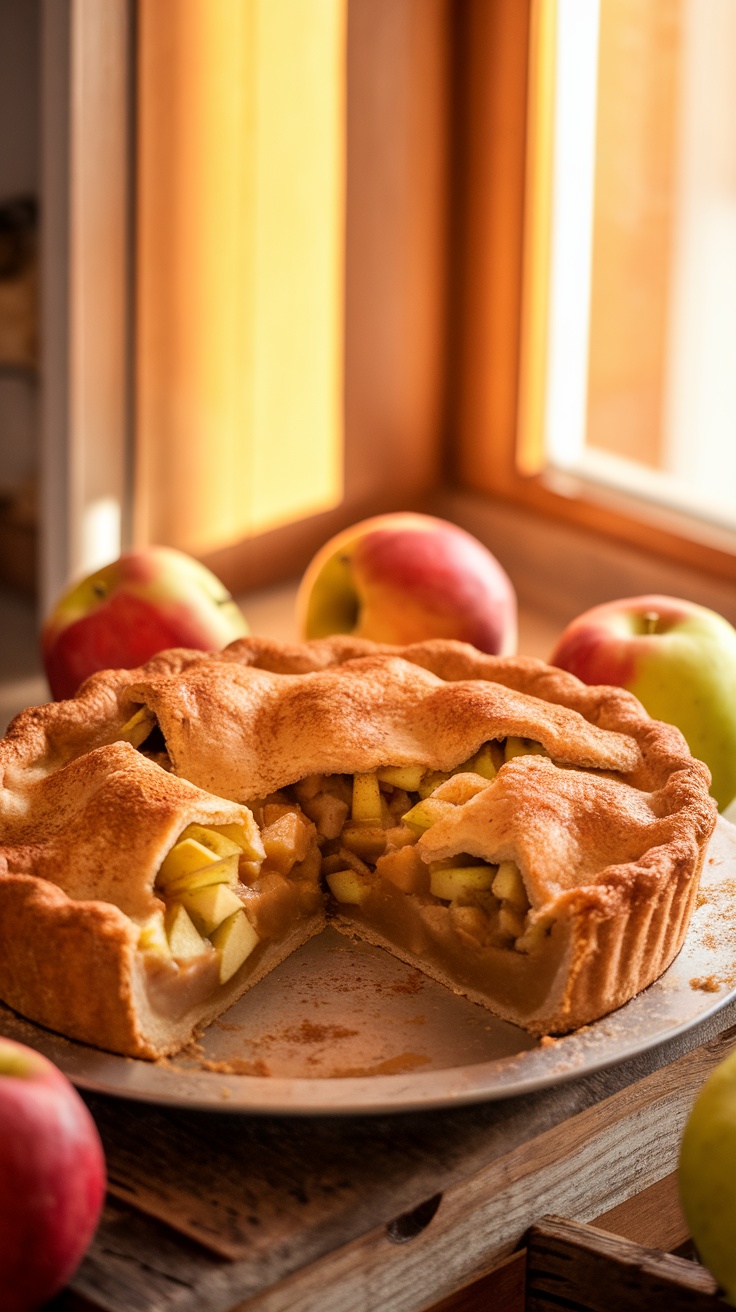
point(240, 252)
point(571, 236)
point(635, 305)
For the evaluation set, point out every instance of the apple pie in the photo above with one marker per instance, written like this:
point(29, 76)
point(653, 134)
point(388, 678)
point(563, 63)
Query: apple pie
point(172, 833)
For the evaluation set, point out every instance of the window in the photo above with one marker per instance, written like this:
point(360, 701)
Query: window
point(641, 365)
point(373, 244)
point(625, 418)
point(267, 338)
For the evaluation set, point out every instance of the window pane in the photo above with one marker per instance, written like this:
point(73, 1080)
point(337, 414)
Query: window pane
point(640, 378)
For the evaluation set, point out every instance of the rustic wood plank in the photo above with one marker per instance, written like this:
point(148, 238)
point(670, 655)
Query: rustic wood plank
point(301, 1208)
point(609, 1151)
point(578, 1267)
point(655, 1212)
point(223, 1181)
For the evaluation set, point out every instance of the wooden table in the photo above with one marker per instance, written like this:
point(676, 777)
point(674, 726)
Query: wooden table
point(213, 1212)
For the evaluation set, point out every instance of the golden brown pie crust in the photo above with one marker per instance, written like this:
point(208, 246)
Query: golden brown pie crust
point(610, 834)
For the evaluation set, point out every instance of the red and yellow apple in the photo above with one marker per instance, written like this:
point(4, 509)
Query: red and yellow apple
point(120, 616)
point(52, 1178)
point(405, 577)
point(678, 658)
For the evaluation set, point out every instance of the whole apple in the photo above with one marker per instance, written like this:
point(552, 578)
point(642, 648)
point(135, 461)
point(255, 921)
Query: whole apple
point(707, 1174)
point(402, 578)
point(678, 658)
point(120, 616)
point(52, 1178)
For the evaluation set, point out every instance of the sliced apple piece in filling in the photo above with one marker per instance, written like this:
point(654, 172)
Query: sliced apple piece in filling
point(404, 868)
point(367, 841)
point(187, 856)
point(209, 906)
point(511, 923)
point(488, 760)
point(431, 780)
point(523, 747)
point(407, 777)
point(234, 940)
point(213, 839)
point(426, 813)
point(285, 838)
point(138, 727)
point(328, 812)
point(366, 807)
point(452, 882)
point(185, 941)
point(348, 886)
point(152, 936)
point(508, 886)
point(187, 870)
point(247, 837)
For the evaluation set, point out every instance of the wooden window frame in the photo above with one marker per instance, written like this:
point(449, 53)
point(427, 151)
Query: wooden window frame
point(500, 307)
point(85, 285)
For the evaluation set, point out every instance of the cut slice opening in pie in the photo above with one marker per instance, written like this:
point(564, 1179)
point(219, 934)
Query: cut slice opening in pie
point(174, 832)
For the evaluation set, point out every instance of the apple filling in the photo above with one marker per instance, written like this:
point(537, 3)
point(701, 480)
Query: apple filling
point(199, 882)
point(143, 732)
point(228, 888)
point(369, 826)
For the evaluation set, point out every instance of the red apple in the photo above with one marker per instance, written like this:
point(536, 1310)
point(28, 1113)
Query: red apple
point(405, 577)
point(678, 658)
point(122, 615)
point(52, 1178)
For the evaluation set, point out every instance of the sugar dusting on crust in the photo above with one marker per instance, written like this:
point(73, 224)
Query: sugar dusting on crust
point(720, 899)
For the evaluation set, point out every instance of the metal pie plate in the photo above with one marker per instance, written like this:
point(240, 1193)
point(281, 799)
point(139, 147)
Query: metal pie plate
point(343, 1028)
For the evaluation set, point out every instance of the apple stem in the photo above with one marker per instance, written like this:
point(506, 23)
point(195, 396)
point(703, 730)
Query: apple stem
point(651, 620)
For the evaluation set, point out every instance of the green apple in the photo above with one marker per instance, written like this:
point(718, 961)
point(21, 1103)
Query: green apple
point(707, 1174)
point(678, 658)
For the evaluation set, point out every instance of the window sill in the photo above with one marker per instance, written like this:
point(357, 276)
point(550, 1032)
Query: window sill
point(561, 569)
